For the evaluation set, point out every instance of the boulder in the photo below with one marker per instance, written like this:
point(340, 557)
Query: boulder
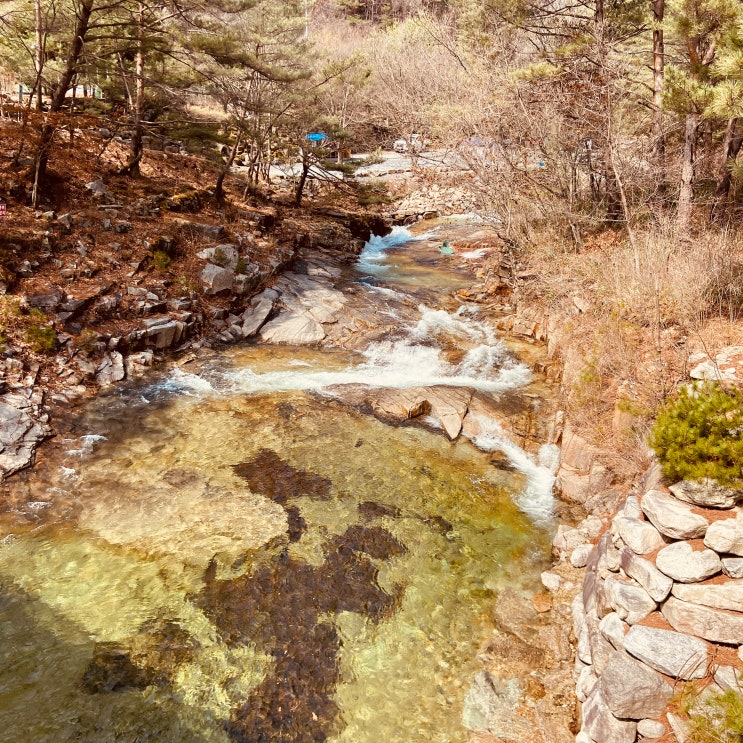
point(630, 601)
point(640, 536)
point(217, 279)
point(672, 653)
point(111, 369)
point(715, 625)
point(601, 725)
point(579, 556)
point(657, 584)
point(257, 313)
point(302, 293)
point(721, 596)
point(651, 729)
point(293, 329)
point(491, 706)
point(225, 256)
point(707, 493)
point(732, 566)
point(673, 517)
point(686, 565)
point(632, 690)
point(613, 629)
point(212, 231)
point(19, 436)
point(163, 332)
point(726, 535)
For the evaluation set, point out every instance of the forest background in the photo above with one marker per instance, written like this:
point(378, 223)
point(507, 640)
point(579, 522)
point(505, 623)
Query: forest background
point(599, 138)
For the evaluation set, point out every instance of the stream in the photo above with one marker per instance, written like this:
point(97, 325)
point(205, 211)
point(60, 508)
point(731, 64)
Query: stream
point(234, 549)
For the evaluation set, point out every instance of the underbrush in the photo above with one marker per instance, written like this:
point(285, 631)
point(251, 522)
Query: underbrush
point(711, 716)
point(634, 315)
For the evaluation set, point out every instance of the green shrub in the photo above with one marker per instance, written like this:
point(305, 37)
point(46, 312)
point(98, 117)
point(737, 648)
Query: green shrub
point(41, 338)
point(242, 266)
point(700, 434)
point(161, 260)
point(714, 717)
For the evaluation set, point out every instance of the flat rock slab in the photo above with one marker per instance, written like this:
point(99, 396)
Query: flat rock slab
point(601, 725)
point(257, 313)
point(632, 690)
point(19, 436)
point(727, 596)
point(707, 493)
point(673, 517)
point(656, 583)
point(293, 329)
point(448, 404)
point(672, 653)
point(715, 625)
point(319, 298)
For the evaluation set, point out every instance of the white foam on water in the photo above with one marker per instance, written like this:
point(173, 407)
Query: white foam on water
point(374, 253)
point(537, 500)
point(188, 384)
point(88, 441)
point(68, 473)
point(472, 255)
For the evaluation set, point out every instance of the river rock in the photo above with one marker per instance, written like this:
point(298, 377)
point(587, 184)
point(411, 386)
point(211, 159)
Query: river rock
point(726, 535)
point(613, 629)
point(672, 653)
point(632, 690)
point(722, 596)
point(111, 369)
point(729, 678)
point(630, 601)
point(601, 725)
point(686, 565)
point(163, 332)
point(137, 364)
point(733, 567)
point(640, 536)
point(397, 406)
point(585, 683)
point(19, 436)
point(651, 729)
point(579, 556)
point(656, 583)
point(217, 279)
point(715, 625)
point(491, 705)
point(673, 517)
point(293, 329)
point(706, 492)
point(260, 308)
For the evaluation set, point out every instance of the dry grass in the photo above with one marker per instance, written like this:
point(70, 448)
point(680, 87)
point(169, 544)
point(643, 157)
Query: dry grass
point(644, 310)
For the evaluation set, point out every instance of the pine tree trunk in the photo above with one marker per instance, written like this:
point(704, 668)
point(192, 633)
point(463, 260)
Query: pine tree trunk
point(58, 95)
point(731, 145)
point(136, 148)
point(658, 75)
point(686, 191)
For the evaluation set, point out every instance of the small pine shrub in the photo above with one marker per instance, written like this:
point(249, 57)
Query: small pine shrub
point(714, 717)
point(241, 266)
point(700, 434)
point(220, 258)
point(42, 339)
point(161, 260)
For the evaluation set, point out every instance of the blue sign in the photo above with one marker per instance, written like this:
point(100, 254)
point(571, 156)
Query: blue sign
point(316, 136)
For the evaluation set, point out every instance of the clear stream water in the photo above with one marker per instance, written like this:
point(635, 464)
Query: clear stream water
point(227, 553)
